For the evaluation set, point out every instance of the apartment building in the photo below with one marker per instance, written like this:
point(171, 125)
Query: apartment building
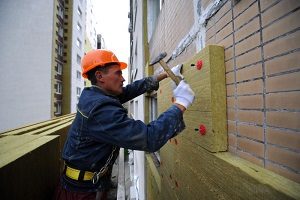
point(75, 37)
point(258, 149)
point(42, 44)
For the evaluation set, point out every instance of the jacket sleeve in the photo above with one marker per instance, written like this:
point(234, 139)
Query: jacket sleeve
point(138, 87)
point(110, 124)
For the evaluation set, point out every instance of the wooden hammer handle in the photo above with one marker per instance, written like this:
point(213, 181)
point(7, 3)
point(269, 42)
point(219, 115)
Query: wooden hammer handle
point(175, 78)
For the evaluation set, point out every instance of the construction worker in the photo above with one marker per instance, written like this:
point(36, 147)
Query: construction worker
point(102, 126)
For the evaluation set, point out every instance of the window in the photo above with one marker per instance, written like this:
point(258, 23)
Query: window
point(60, 49)
point(78, 59)
point(60, 30)
point(79, 12)
point(153, 13)
point(78, 75)
point(58, 88)
point(78, 91)
point(78, 43)
point(60, 11)
point(161, 2)
point(131, 109)
point(78, 27)
point(153, 107)
point(58, 68)
point(57, 106)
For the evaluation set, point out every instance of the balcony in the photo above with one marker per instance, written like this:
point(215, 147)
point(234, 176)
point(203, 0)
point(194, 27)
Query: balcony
point(30, 164)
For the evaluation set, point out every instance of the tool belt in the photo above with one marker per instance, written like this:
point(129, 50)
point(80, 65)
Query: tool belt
point(81, 175)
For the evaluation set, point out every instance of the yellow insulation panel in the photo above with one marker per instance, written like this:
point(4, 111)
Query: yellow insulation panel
point(209, 107)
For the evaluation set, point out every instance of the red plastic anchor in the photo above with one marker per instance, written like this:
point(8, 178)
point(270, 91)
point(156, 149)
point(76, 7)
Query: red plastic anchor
point(199, 64)
point(202, 129)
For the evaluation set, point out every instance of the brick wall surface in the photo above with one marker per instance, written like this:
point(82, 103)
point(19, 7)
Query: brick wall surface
point(174, 22)
point(262, 53)
point(262, 43)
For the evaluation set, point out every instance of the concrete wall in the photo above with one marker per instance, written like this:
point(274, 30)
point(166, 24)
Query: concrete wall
point(25, 52)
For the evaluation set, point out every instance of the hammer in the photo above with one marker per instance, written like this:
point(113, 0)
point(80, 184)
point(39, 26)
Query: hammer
point(159, 59)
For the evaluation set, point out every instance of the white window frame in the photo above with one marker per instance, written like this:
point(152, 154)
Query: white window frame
point(60, 49)
point(78, 91)
point(79, 28)
point(60, 11)
point(78, 59)
point(78, 75)
point(60, 30)
point(58, 88)
point(57, 106)
point(78, 43)
point(59, 68)
point(79, 12)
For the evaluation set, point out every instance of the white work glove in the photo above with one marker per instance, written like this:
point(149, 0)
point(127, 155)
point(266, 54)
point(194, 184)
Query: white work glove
point(183, 94)
point(176, 70)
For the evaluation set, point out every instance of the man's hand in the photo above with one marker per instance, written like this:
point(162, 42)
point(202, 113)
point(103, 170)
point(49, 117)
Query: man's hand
point(183, 94)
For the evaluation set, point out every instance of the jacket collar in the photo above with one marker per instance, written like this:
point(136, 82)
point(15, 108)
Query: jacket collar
point(97, 88)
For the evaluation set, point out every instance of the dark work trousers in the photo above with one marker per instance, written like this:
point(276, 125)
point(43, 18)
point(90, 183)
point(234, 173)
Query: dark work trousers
point(63, 194)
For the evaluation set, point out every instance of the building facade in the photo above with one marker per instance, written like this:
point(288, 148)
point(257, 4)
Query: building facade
point(41, 49)
point(75, 38)
point(261, 58)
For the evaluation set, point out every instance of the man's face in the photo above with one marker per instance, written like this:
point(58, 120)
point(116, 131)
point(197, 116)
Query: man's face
point(112, 81)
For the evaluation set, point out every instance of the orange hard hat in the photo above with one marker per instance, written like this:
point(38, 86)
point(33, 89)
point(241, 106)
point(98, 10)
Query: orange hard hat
point(98, 58)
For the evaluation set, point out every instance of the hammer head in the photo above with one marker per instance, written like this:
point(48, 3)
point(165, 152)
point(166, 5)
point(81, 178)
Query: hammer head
point(158, 58)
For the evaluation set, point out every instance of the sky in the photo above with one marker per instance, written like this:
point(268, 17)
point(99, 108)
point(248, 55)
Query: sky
point(112, 23)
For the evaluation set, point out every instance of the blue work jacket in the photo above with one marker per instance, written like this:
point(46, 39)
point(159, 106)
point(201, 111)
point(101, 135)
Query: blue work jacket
point(102, 123)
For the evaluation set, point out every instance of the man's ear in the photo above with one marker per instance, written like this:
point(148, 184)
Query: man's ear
point(98, 74)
